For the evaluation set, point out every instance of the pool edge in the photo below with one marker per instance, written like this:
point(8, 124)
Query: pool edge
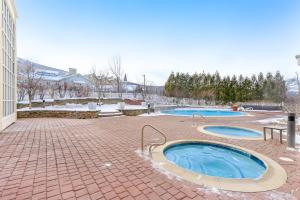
point(244, 114)
point(274, 176)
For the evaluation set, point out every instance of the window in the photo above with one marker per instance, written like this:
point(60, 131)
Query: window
point(8, 65)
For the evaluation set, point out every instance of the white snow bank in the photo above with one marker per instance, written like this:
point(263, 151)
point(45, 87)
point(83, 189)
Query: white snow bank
point(116, 107)
point(67, 107)
point(274, 120)
point(37, 100)
point(297, 139)
point(270, 111)
point(152, 114)
point(81, 107)
point(156, 165)
point(134, 107)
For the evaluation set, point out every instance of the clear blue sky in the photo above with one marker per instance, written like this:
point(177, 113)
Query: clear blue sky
point(155, 37)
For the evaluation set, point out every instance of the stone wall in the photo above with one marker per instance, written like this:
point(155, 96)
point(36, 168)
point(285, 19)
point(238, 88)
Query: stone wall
point(57, 114)
point(133, 101)
point(65, 101)
point(134, 112)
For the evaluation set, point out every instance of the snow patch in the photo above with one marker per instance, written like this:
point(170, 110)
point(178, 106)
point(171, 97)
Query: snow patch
point(297, 137)
point(152, 114)
point(286, 159)
point(157, 165)
point(233, 195)
point(269, 111)
point(280, 119)
point(274, 120)
point(36, 100)
point(279, 196)
point(80, 107)
point(107, 164)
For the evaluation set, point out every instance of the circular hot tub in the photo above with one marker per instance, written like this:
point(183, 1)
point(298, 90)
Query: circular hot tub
point(215, 160)
point(220, 165)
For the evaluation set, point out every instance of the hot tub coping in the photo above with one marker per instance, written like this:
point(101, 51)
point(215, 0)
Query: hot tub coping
point(201, 129)
point(273, 177)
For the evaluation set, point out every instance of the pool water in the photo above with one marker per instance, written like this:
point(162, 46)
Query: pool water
point(215, 160)
point(232, 131)
point(203, 112)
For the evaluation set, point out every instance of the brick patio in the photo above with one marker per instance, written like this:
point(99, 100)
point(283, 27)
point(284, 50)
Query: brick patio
point(97, 159)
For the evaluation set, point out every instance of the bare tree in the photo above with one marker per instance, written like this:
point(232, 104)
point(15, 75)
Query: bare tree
point(99, 79)
point(62, 89)
point(21, 87)
point(79, 90)
point(136, 91)
point(145, 87)
point(86, 91)
point(31, 81)
point(52, 89)
point(42, 88)
point(116, 70)
point(292, 103)
point(71, 90)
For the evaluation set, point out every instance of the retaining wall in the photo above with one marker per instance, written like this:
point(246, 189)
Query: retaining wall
point(57, 114)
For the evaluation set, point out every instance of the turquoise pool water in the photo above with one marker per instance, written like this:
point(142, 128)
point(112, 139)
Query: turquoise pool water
point(203, 112)
point(215, 160)
point(232, 131)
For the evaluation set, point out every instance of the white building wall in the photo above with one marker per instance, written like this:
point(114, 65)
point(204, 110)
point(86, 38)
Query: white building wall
point(8, 70)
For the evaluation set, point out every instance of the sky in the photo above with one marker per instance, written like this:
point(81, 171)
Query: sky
point(156, 37)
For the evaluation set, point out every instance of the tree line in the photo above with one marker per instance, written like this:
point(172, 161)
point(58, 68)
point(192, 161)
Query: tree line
point(213, 87)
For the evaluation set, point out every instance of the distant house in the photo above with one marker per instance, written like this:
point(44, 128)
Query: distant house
point(52, 75)
point(53, 78)
point(57, 79)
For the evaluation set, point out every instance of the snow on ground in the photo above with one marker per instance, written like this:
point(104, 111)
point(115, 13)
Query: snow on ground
point(238, 195)
point(81, 107)
point(109, 107)
point(156, 165)
point(271, 111)
point(67, 107)
point(152, 114)
point(37, 100)
point(116, 107)
point(297, 139)
point(280, 119)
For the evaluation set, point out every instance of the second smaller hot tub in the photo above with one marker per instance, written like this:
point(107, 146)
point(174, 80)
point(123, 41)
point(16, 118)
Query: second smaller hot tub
point(231, 132)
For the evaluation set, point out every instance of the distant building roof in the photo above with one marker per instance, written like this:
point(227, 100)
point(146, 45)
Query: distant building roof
point(52, 74)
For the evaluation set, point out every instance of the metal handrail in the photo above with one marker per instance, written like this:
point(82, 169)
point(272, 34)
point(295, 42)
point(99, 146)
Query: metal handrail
point(153, 144)
point(194, 121)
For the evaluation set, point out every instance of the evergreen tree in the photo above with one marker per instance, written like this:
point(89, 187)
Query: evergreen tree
point(227, 89)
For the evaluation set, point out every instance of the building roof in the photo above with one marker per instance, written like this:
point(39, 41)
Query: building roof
point(47, 73)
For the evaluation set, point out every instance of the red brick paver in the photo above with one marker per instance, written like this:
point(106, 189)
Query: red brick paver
point(97, 159)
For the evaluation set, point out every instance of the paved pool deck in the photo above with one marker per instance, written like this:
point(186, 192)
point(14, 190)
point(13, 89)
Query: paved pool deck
point(98, 159)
